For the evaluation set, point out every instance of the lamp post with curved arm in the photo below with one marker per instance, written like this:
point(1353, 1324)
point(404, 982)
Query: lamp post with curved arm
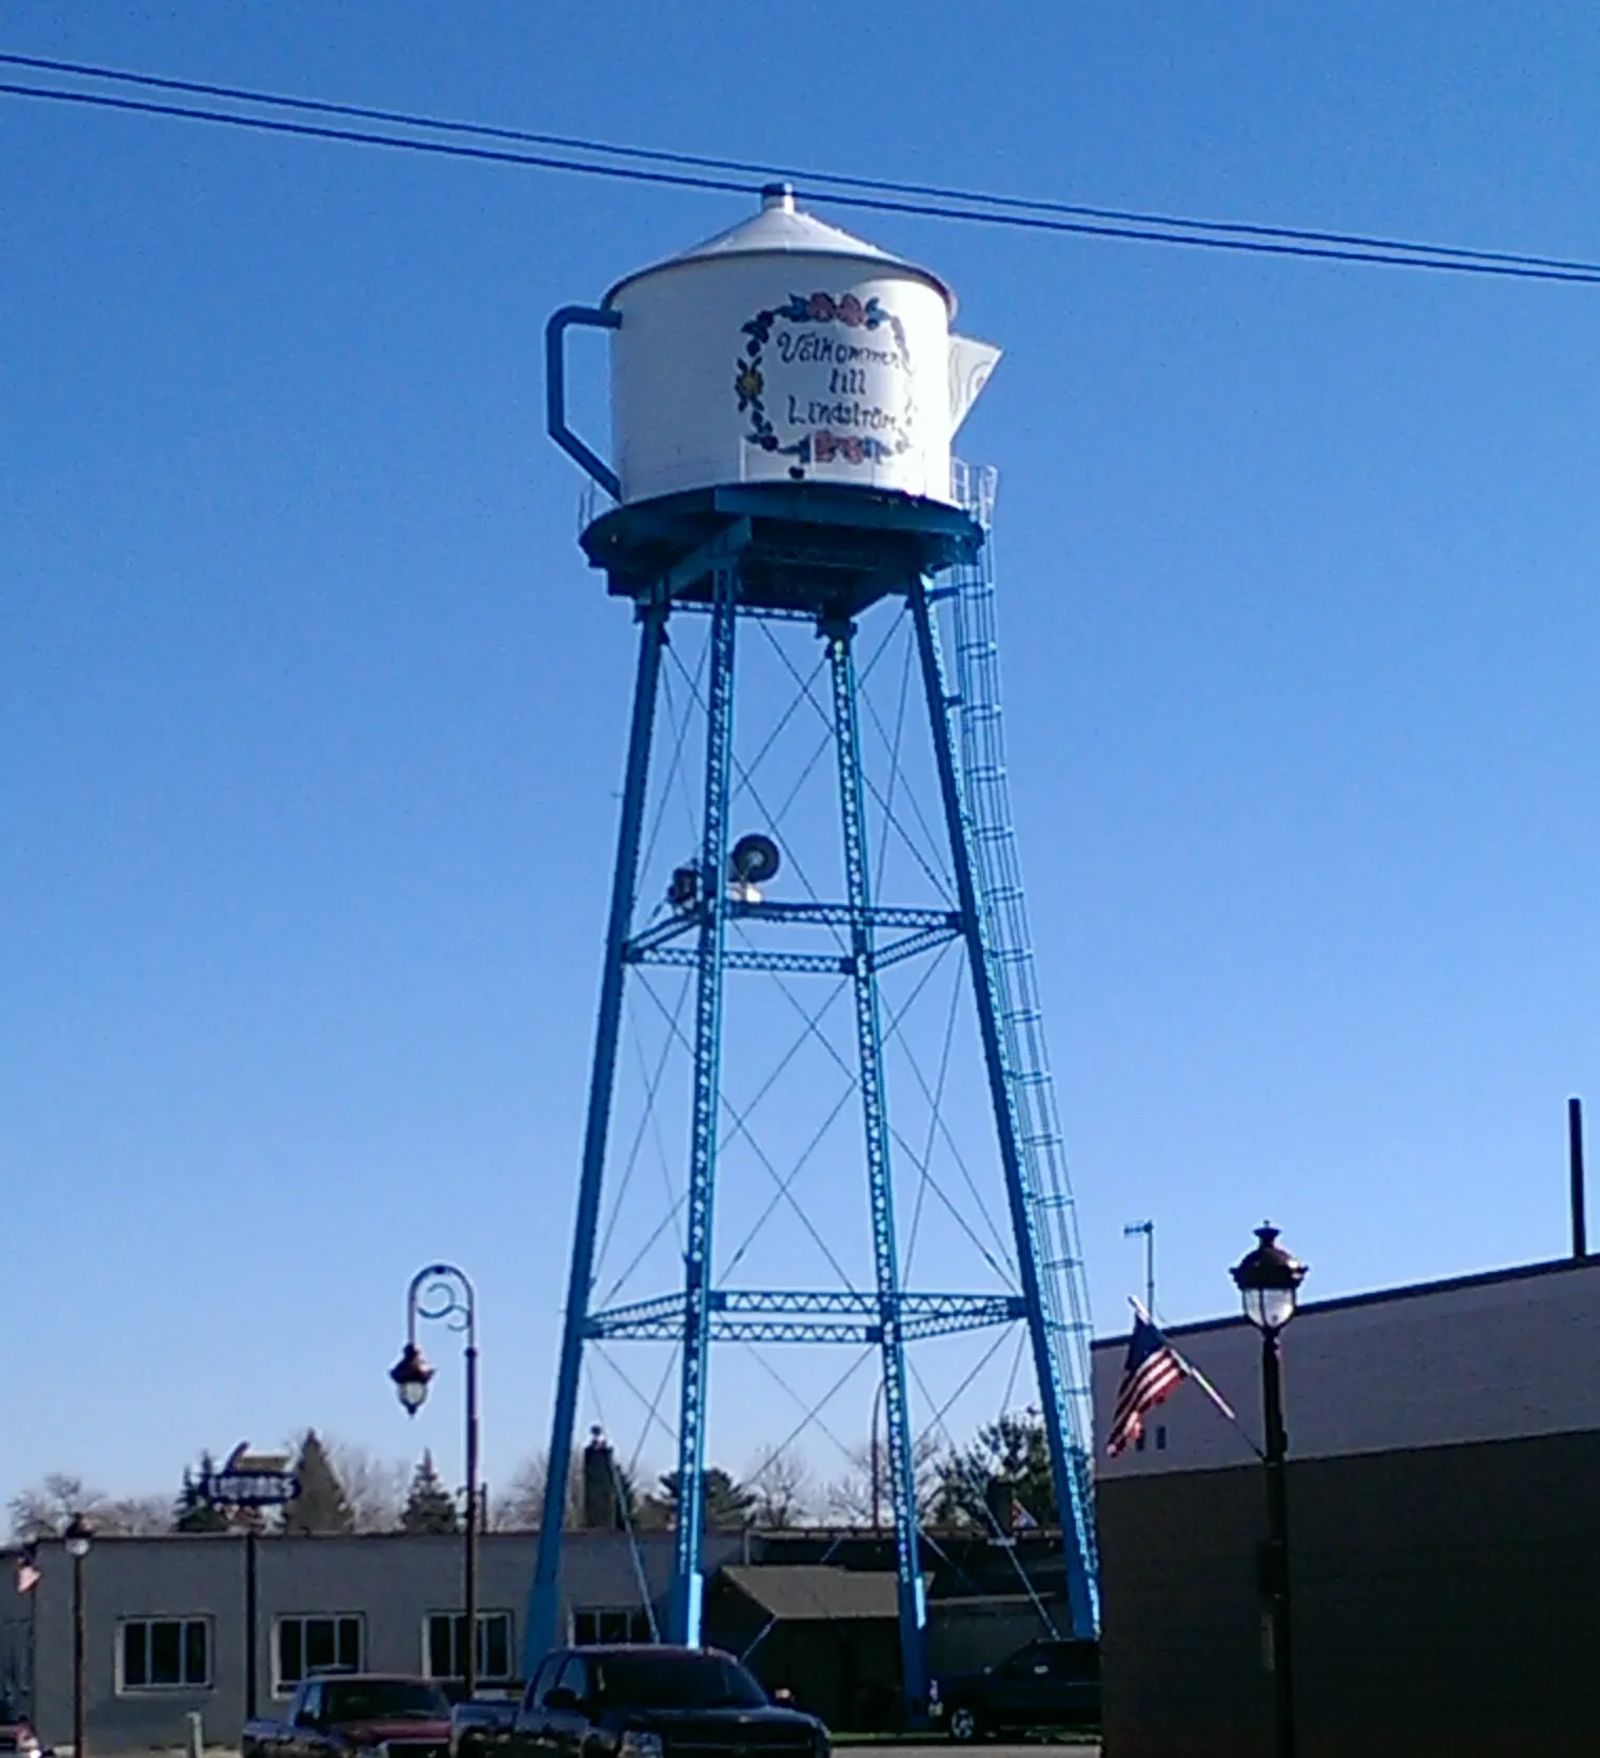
point(442, 1292)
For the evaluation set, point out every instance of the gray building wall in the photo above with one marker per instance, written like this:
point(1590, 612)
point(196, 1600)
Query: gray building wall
point(1444, 1518)
point(16, 1634)
point(391, 1582)
point(1484, 1358)
point(1445, 1600)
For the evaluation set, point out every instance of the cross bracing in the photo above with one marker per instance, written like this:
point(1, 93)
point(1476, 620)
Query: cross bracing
point(814, 1100)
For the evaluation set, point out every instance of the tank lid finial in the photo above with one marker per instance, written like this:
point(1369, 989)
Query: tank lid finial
point(778, 195)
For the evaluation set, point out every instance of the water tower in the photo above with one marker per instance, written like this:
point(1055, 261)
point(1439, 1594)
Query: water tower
point(783, 399)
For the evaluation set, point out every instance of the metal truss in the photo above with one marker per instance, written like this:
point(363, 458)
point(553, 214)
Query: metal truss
point(844, 915)
point(750, 1315)
point(746, 958)
point(854, 939)
point(683, 1612)
point(1055, 1381)
point(931, 929)
point(880, 1186)
point(544, 1598)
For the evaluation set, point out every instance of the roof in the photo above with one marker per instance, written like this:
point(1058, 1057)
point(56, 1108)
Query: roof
point(599, 1650)
point(349, 1675)
point(816, 1592)
point(781, 229)
point(1380, 1296)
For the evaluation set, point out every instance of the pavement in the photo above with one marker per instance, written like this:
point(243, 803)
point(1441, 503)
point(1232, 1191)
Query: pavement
point(886, 1747)
point(1032, 1749)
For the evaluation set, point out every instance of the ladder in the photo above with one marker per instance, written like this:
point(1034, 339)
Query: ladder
point(1047, 1184)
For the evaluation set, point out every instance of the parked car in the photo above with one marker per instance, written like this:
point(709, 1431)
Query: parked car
point(335, 1715)
point(17, 1738)
point(481, 1727)
point(1048, 1684)
point(655, 1702)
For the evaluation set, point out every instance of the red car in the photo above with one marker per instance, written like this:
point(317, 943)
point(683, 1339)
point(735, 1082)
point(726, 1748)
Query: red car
point(17, 1738)
point(350, 1715)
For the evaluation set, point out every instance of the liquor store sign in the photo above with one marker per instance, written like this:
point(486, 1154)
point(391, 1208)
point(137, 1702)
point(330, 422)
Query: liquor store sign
point(250, 1480)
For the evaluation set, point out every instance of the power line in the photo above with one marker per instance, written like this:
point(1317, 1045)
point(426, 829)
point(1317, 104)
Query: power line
point(1582, 273)
point(887, 186)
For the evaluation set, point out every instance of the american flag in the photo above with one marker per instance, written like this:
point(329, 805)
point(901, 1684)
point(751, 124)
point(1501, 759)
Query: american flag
point(1152, 1371)
point(27, 1571)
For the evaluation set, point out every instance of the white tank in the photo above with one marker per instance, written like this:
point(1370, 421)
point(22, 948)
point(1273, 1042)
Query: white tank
point(786, 350)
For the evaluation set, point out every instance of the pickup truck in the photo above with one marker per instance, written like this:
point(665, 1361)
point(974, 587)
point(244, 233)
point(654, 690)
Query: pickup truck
point(651, 1702)
point(335, 1715)
point(1049, 1684)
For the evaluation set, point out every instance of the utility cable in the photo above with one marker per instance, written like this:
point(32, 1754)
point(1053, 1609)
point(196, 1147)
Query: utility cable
point(749, 167)
point(1461, 262)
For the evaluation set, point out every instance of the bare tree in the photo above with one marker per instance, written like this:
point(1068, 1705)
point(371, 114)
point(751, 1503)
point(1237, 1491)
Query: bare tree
point(135, 1516)
point(850, 1497)
point(375, 1488)
point(519, 1507)
point(43, 1511)
point(782, 1482)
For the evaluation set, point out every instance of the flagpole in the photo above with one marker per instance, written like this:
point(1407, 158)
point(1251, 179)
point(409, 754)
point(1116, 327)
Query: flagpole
point(1199, 1379)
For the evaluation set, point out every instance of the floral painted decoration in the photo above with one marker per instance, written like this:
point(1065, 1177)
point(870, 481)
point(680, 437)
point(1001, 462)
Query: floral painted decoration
point(749, 382)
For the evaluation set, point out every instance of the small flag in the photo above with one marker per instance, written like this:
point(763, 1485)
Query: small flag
point(27, 1571)
point(1021, 1519)
point(1152, 1372)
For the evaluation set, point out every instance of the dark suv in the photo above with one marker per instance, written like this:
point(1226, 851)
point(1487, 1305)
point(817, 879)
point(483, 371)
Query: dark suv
point(1045, 1685)
point(655, 1702)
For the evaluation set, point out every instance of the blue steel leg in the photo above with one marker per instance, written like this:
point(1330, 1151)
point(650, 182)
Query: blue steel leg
point(874, 1116)
point(544, 1600)
point(1044, 1328)
point(683, 1611)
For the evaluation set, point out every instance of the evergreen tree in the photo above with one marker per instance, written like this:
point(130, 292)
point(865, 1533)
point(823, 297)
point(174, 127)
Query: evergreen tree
point(1013, 1452)
point(193, 1512)
point(321, 1506)
point(728, 1503)
point(429, 1505)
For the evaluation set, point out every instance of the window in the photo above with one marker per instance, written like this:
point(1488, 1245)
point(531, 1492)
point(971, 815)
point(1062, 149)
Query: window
point(676, 1681)
point(574, 1677)
point(594, 1624)
point(164, 1654)
point(541, 1681)
point(445, 1645)
point(396, 1699)
point(310, 1644)
point(1021, 1664)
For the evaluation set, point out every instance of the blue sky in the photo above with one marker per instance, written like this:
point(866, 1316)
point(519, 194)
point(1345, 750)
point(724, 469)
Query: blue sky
point(314, 715)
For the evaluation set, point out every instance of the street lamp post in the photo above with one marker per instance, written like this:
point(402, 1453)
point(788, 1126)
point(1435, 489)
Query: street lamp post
point(441, 1291)
point(78, 1536)
point(1268, 1280)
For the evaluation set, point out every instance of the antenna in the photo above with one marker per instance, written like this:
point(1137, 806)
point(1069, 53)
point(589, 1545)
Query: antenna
point(1148, 1229)
point(1580, 1233)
